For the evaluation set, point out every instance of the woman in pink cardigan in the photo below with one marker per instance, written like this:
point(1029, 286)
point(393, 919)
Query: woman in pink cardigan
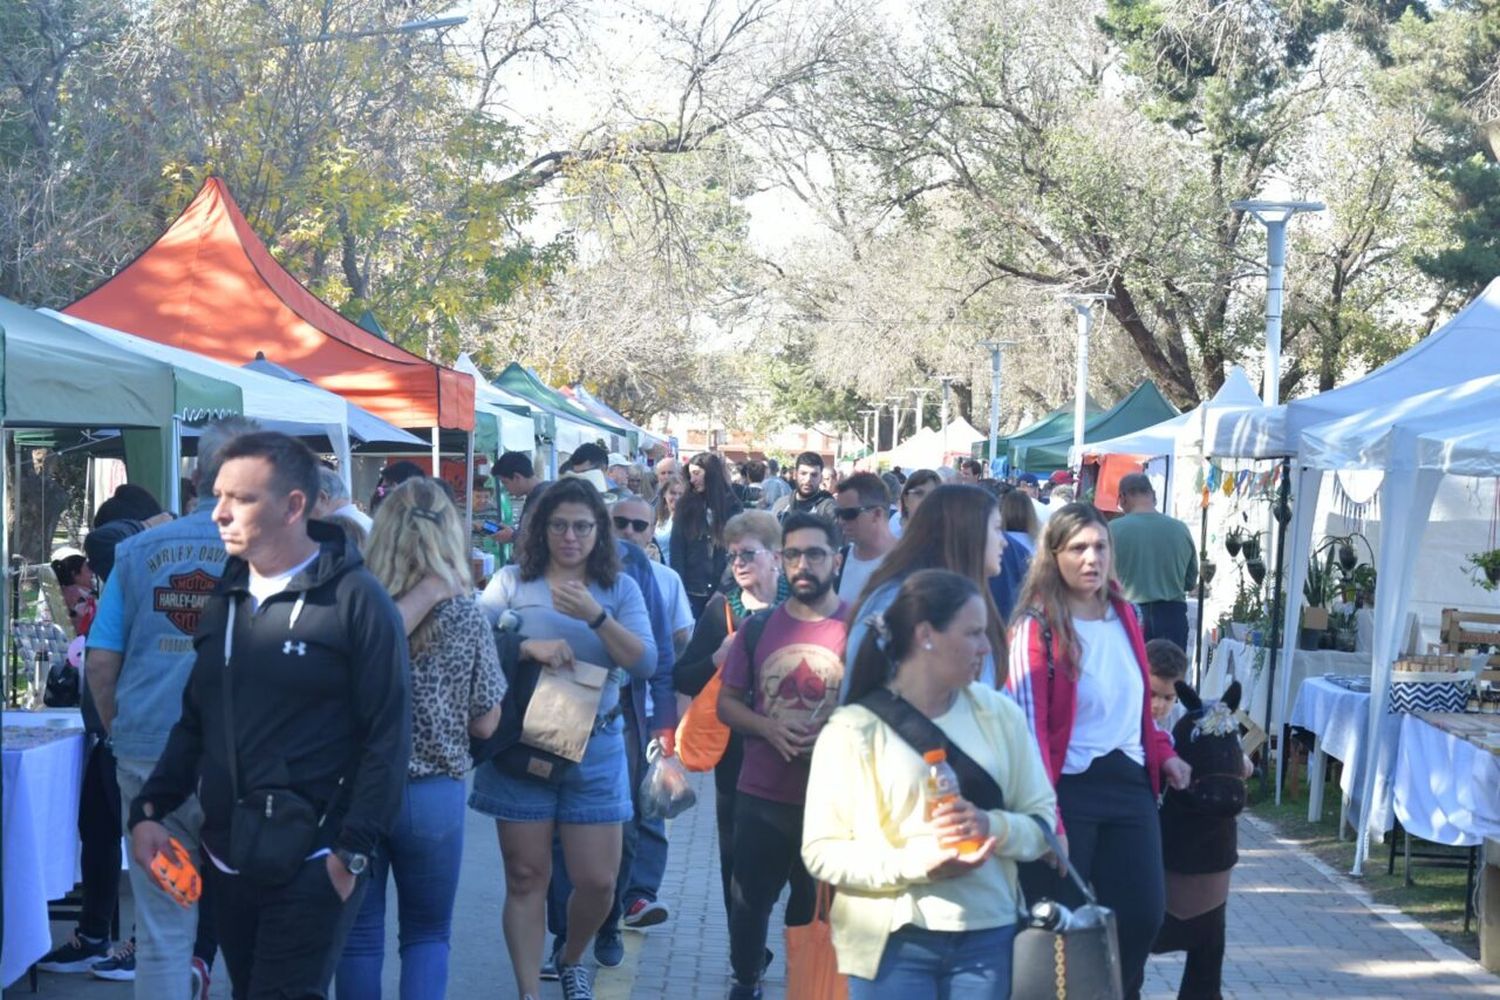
point(1078, 671)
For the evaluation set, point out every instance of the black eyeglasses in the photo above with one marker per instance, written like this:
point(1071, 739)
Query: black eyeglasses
point(621, 523)
point(813, 556)
point(850, 513)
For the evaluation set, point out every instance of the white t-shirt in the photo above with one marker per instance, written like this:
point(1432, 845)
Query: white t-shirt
point(1111, 696)
point(263, 587)
point(674, 595)
point(856, 574)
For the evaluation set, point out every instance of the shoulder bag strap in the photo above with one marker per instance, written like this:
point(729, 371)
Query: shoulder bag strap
point(728, 618)
point(922, 734)
point(1073, 876)
point(1046, 628)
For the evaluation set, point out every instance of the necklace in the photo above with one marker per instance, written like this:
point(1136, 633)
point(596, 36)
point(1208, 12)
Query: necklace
point(736, 598)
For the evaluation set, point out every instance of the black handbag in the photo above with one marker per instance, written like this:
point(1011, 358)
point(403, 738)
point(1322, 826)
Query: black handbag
point(271, 830)
point(1074, 960)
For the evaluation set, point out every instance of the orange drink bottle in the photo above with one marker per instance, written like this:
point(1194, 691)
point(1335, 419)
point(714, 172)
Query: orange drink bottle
point(942, 787)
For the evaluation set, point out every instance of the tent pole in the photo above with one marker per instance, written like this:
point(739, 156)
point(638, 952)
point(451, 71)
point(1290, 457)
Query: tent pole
point(1283, 492)
point(174, 468)
point(436, 452)
point(469, 485)
point(5, 568)
point(1202, 590)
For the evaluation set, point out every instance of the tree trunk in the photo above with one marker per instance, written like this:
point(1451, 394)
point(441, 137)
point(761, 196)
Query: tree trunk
point(37, 501)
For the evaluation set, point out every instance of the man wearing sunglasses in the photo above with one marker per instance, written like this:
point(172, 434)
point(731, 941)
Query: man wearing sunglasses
point(778, 699)
point(863, 507)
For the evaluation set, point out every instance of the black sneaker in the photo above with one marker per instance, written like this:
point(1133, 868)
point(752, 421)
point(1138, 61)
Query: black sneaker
point(577, 982)
point(609, 948)
point(118, 967)
point(740, 991)
point(78, 954)
point(554, 959)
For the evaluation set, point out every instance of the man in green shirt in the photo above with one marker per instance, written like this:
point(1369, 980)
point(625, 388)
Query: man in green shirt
point(1155, 559)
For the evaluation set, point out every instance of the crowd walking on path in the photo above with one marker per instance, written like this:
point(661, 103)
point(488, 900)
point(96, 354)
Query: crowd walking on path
point(922, 704)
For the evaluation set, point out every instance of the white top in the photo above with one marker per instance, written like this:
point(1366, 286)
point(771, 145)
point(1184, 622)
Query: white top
point(856, 574)
point(263, 587)
point(674, 595)
point(356, 515)
point(1111, 693)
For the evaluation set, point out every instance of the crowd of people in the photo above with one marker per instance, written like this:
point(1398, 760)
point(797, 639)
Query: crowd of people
point(305, 699)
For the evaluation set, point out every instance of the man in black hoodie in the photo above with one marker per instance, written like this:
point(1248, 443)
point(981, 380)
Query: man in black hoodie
point(302, 670)
point(810, 497)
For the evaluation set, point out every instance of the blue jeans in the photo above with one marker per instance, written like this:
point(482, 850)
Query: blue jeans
point(920, 964)
point(424, 850)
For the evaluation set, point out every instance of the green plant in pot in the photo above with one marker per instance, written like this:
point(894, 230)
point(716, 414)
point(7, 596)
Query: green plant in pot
point(1250, 547)
point(1317, 592)
point(1232, 541)
point(1484, 567)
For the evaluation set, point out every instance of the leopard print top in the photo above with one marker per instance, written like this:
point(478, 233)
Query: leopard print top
point(454, 679)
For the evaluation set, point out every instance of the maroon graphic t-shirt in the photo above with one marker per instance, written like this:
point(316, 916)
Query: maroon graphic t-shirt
point(795, 678)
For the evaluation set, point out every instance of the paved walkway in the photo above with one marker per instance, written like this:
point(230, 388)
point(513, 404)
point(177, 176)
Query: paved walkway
point(1296, 930)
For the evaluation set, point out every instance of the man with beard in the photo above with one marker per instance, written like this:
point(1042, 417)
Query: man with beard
point(778, 701)
point(809, 497)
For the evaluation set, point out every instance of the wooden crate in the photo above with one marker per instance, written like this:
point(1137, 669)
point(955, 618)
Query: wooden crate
point(1465, 629)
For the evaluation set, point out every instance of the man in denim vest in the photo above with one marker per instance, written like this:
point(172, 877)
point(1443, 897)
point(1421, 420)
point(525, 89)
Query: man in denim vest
point(140, 655)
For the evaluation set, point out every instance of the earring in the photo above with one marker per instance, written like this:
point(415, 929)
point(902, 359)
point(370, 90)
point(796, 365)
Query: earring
point(927, 645)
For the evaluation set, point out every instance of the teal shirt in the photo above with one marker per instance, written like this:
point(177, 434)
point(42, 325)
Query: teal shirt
point(1155, 558)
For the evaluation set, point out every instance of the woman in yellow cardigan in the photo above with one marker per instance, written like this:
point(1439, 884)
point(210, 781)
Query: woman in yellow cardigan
point(912, 917)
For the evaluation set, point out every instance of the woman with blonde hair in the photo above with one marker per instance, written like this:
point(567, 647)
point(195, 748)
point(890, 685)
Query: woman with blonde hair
point(1079, 673)
point(418, 550)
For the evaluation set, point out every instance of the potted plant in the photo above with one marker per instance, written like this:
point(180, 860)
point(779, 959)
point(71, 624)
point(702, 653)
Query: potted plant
point(1232, 541)
point(1342, 627)
point(1206, 569)
point(1250, 546)
point(1317, 591)
point(1486, 565)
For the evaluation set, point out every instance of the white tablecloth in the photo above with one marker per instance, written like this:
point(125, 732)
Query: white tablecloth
point(41, 837)
point(1235, 659)
point(1341, 718)
point(1447, 790)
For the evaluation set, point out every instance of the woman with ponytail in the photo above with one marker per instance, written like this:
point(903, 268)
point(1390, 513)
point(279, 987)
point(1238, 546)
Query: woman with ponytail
point(925, 907)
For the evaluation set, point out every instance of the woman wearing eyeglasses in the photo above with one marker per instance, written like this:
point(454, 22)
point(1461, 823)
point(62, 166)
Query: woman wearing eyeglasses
point(913, 492)
point(752, 544)
point(697, 545)
point(574, 605)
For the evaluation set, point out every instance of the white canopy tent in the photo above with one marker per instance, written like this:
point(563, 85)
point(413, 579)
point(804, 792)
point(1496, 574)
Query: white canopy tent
point(1416, 441)
point(1184, 434)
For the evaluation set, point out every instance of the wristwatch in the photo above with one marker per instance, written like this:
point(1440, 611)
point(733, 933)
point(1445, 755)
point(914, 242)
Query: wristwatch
point(603, 617)
point(356, 863)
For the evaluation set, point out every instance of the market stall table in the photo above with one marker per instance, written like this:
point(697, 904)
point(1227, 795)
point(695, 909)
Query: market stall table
point(1336, 709)
point(1447, 784)
point(43, 761)
point(1250, 666)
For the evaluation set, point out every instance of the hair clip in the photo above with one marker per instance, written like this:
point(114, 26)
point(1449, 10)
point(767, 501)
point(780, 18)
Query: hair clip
point(882, 630)
point(427, 515)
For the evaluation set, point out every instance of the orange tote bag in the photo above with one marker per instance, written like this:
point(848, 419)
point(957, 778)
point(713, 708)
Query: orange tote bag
point(812, 968)
point(701, 737)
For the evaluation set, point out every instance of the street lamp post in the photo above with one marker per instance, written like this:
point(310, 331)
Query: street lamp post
point(1274, 215)
point(994, 347)
point(895, 419)
point(1083, 305)
point(947, 381)
point(921, 395)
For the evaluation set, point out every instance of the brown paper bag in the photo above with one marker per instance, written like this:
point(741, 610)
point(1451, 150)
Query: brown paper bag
point(560, 715)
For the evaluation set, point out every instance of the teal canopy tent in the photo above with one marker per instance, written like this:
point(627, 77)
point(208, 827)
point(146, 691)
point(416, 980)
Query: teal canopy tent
point(1144, 406)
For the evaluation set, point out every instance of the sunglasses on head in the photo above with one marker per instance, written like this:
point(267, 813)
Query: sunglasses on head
point(621, 523)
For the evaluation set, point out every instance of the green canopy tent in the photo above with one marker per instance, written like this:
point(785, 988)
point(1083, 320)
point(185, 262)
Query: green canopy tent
point(1144, 406)
point(573, 425)
point(59, 380)
point(1059, 421)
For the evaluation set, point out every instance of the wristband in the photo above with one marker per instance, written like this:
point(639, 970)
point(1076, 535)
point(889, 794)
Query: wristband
point(603, 617)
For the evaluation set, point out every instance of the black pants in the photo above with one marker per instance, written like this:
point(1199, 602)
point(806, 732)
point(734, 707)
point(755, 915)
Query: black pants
point(1165, 620)
point(767, 855)
point(1114, 841)
point(282, 943)
point(1202, 938)
point(99, 832)
point(726, 794)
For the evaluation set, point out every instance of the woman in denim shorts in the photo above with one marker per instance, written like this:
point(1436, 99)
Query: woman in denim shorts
point(574, 604)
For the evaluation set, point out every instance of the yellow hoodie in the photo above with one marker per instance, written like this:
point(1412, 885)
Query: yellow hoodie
point(865, 829)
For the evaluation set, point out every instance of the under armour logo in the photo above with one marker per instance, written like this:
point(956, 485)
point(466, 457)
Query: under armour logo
point(289, 645)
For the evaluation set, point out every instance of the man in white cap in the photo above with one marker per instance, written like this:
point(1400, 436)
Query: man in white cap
point(618, 470)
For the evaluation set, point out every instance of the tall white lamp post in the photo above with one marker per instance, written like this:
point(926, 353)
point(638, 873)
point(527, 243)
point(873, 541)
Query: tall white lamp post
point(1083, 305)
point(1274, 215)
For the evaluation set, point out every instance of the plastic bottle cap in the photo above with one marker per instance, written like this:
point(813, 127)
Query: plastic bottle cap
point(935, 756)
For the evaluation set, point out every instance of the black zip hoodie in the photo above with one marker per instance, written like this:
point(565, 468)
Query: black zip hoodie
point(320, 692)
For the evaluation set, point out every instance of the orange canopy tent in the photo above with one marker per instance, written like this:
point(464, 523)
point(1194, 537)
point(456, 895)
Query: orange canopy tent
point(209, 285)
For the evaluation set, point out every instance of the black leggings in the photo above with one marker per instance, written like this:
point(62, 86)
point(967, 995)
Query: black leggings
point(767, 855)
point(1202, 938)
point(1114, 840)
point(99, 833)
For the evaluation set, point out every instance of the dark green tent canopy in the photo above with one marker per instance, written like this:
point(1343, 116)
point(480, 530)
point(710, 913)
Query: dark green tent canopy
point(1047, 453)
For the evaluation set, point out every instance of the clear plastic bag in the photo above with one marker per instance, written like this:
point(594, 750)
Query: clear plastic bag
point(665, 791)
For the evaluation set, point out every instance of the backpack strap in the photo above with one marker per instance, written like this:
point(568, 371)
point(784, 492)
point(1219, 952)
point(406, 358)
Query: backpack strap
point(753, 627)
point(922, 735)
